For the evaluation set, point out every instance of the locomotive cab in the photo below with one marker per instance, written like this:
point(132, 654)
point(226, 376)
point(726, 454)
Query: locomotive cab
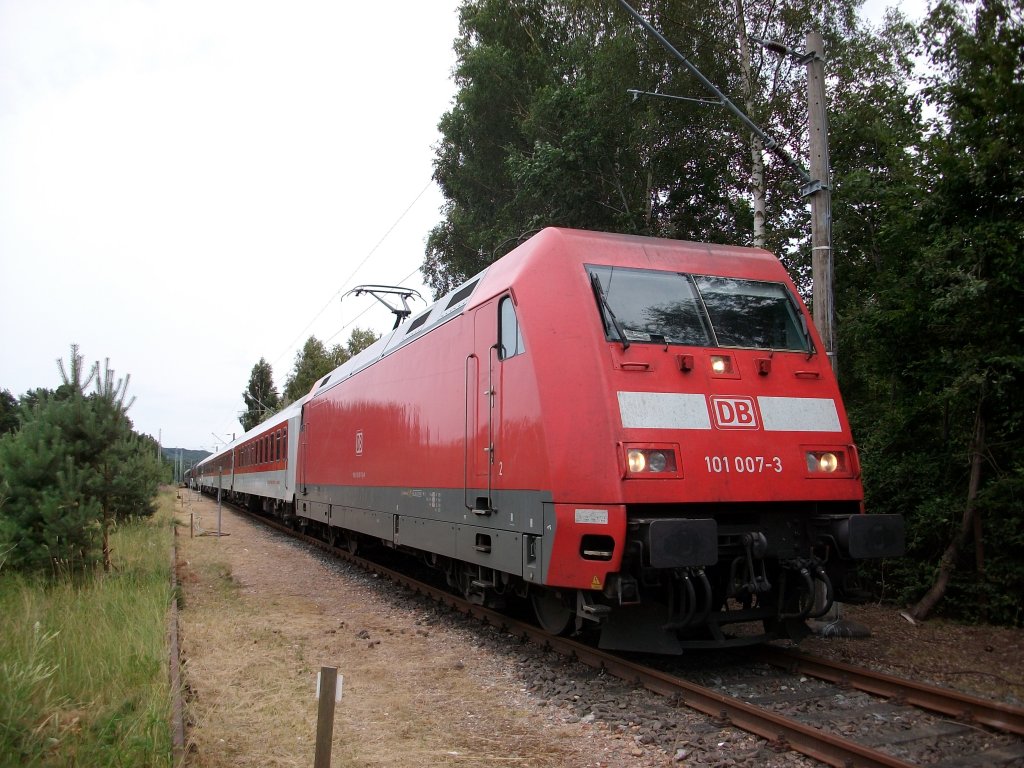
point(737, 483)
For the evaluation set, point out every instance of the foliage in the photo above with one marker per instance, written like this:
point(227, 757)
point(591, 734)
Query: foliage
point(72, 471)
point(8, 412)
point(935, 364)
point(80, 685)
point(314, 361)
point(543, 131)
point(359, 340)
point(260, 397)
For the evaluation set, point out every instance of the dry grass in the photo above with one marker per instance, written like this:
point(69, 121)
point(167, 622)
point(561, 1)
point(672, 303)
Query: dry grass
point(261, 617)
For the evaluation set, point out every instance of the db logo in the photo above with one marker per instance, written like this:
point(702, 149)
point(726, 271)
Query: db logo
point(359, 443)
point(734, 412)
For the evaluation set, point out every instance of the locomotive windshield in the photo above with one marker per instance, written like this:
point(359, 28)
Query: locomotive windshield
point(647, 306)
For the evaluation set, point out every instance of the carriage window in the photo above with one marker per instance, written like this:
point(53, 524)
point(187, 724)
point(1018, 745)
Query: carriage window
point(510, 335)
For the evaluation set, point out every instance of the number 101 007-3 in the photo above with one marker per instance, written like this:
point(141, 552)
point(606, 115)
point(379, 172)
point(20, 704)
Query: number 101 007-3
point(743, 464)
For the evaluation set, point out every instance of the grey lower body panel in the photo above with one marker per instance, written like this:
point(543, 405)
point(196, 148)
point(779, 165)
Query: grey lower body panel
point(507, 538)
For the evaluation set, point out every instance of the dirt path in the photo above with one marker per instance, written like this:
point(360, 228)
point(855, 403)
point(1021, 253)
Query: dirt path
point(262, 614)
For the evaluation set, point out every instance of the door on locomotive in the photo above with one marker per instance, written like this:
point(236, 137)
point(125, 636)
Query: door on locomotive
point(497, 338)
point(480, 409)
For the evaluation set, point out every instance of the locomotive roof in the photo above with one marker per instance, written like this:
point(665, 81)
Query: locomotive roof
point(585, 246)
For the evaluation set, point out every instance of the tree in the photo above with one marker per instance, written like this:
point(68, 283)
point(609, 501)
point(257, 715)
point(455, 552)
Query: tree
point(970, 275)
point(314, 361)
point(932, 371)
point(73, 470)
point(544, 133)
point(8, 412)
point(260, 397)
point(48, 522)
point(359, 340)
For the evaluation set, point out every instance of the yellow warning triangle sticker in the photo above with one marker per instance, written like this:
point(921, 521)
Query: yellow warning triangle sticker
point(596, 583)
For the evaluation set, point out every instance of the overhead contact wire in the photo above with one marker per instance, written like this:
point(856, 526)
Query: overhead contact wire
point(337, 293)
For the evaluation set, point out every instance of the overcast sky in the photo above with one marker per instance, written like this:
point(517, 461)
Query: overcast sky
point(189, 185)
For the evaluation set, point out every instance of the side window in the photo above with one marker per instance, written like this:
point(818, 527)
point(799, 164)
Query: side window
point(510, 337)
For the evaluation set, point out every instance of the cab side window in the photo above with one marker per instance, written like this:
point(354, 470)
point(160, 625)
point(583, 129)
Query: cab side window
point(510, 336)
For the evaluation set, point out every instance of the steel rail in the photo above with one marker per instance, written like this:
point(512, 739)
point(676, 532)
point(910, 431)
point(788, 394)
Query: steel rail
point(781, 732)
point(962, 706)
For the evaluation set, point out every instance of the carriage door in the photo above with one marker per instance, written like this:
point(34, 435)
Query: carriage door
point(497, 338)
point(480, 411)
point(302, 459)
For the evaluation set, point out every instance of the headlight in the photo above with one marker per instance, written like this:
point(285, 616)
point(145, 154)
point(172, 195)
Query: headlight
point(636, 460)
point(651, 460)
point(721, 364)
point(656, 461)
point(826, 462)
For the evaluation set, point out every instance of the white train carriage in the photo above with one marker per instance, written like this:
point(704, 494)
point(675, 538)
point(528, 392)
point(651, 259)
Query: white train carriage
point(258, 469)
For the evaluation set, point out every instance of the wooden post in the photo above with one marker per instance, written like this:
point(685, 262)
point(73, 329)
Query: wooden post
point(326, 690)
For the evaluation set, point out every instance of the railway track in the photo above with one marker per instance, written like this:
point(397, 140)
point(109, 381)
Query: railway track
point(996, 727)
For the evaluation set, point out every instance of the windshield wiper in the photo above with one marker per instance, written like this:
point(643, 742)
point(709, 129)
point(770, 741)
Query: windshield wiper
point(602, 300)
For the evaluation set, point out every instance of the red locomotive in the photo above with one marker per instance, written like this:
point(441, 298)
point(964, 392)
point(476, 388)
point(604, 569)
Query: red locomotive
point(637, 435)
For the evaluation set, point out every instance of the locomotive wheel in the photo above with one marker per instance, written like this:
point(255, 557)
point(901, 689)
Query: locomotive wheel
point(552, 613)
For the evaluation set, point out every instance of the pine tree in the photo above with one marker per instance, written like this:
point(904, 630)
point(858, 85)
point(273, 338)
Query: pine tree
point(49, 521)
point(72, 471)
point(8, 412)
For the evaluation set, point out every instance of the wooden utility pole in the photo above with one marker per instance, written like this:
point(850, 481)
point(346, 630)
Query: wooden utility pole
point(817, 184)
point(820, 192)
